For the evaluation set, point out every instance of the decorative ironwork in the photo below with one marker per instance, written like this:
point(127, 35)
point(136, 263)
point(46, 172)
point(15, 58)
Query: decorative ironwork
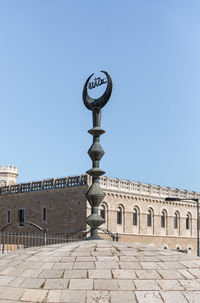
point(95, 194)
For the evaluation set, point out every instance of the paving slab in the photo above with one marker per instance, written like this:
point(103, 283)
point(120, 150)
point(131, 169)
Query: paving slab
point(34, 295)
point(98, 297)
point(173, 297)
point(122, 296)
point(146, 285)
point(148, 296)
point(99, 272)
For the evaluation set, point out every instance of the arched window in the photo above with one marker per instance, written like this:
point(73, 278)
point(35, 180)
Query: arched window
point(176, 220)
point(149, 218)
point(119, 215)
point(135, 216)
point(163, 219)
point(103, 211)
point(187, 222)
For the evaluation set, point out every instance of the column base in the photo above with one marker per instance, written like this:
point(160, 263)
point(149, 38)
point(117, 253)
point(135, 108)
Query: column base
point(93, 238)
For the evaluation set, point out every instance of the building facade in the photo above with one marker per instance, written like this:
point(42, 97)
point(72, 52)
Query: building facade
point(137, 212)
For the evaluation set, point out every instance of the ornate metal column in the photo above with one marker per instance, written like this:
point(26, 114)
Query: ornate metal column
point(95, 194)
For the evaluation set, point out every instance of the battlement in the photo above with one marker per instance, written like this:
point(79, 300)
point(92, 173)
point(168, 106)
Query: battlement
point(9, 169)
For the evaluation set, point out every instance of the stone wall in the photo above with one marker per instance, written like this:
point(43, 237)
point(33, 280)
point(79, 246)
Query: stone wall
point(134, 196)
point(65, 210)
point(66, 206)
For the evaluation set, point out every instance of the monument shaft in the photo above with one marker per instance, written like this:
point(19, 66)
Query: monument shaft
point(95, 194)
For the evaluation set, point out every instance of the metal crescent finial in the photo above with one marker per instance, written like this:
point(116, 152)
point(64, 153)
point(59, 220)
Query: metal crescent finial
point(91, 103)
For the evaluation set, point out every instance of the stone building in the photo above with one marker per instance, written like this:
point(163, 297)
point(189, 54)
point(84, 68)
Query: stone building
point(137, 211)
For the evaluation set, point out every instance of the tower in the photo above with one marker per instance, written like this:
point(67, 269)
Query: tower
point(8, 175)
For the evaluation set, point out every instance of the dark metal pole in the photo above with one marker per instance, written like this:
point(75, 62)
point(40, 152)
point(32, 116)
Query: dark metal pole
point(198, 254)
point(95, 194)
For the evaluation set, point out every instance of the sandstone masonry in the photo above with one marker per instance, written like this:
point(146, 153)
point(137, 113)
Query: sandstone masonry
point(137, 211)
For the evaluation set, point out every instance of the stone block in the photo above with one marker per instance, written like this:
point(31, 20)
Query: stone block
point(146, 285)
point(100, 274)
point(12, 293)
point(32, 283)
point(54, 296)
point(122, 296)
point(124, 274)
point(107, 284)
point(170, 285)
point(51, 273)
point(84, 265)
point(147, 274)
point(107, 265)
point(173, 297)
point(126, 284)
point(192, 296)
point(56, 283)
point(73, 296)
point(148, 296)
point(84, 284)
point(98, 296)
point(34, 295)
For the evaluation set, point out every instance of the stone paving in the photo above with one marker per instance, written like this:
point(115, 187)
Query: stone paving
point(99, 272)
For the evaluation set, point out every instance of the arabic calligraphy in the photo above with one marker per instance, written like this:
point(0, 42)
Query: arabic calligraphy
point(97, 82)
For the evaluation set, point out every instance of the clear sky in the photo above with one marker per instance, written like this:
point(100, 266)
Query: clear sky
point(151, 48)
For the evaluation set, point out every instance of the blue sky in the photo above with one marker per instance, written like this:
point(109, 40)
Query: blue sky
point(151, 49)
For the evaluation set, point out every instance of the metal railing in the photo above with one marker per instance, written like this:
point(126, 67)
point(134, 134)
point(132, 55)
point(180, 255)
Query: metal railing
point(14, 241)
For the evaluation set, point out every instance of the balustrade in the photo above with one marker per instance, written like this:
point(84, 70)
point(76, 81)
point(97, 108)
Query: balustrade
point(44, 185)
point(114, 184)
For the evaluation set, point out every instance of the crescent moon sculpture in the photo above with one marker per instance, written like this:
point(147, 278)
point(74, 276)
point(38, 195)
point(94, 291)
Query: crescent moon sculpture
point(95, 194)
point(91, 103)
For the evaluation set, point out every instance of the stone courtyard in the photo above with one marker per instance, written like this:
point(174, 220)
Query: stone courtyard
point(99, 272)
